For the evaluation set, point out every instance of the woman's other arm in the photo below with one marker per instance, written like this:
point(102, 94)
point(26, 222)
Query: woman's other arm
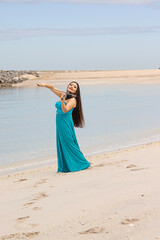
point(57, 91)
point(71, 104)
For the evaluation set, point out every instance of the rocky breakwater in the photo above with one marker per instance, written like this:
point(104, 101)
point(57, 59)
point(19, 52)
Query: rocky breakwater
point(7, 78)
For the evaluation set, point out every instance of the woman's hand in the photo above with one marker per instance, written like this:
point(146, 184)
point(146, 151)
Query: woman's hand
point(63, 96)
point(41, 84)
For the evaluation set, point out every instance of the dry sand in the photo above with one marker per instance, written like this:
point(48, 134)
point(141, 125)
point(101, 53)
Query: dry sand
point(94, 77)
point(117, 199)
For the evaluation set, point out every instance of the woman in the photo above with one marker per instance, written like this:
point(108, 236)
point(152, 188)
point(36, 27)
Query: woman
point(68, 114)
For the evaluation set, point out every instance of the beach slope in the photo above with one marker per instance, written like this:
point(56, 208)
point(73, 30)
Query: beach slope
point(117, 199)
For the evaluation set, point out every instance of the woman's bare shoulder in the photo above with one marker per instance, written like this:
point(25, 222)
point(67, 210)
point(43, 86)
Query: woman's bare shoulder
point(73, 99)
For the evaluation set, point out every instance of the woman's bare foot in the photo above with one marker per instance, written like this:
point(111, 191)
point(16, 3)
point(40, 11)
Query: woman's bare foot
point(88, 167)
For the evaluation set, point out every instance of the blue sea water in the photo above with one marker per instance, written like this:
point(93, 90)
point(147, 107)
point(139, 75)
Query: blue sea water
point(116, 116)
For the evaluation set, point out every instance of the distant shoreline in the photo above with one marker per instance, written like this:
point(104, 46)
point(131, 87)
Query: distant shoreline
point(93, 77)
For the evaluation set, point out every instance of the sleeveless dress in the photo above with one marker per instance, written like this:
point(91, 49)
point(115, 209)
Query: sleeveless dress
point(69, 156)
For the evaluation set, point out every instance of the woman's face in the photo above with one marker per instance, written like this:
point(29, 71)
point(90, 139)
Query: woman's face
point(72, 87)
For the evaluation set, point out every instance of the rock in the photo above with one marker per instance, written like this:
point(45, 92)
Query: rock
point(5, 85)
point(28, 76)
point(15, 78)
point(8, 77)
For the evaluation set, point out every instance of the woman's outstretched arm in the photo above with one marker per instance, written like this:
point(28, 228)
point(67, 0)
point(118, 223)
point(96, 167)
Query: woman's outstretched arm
point(57, 91)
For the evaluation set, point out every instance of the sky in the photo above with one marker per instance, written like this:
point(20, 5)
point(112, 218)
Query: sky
point(79, 34)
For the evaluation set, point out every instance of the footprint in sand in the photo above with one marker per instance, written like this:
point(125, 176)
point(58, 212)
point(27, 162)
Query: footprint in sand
point(93, 230)
point(28, 204)
point(119, 162)
point(37, 208)
point(128, 221)
point(30, 234)
point(39, 195)
point(100, 165)
point(111, 163)
point(22, 219)
point(21, 180)
point(33, 225)
point(43, 180)
point(19, 235)
point(131, 166)
point(10, 236)
point(135, 169)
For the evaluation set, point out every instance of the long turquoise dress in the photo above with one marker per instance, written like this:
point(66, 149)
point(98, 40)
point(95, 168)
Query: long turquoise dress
point(69, 156)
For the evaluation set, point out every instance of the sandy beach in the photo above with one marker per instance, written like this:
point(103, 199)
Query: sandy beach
point(117, 199)
point(80, 88)
point(93, 77)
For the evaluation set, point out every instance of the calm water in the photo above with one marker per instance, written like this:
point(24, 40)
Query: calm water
point(116, 116)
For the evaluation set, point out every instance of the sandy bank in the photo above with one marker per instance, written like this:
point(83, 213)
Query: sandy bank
point(94, 77)
point(117, 199)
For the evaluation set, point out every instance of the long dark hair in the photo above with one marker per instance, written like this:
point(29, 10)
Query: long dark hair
point(77, 114)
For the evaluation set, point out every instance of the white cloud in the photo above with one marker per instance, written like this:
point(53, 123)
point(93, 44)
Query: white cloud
point(12, 34)
point(113, 2)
